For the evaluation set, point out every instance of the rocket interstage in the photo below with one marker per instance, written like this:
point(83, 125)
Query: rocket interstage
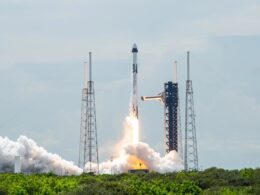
point(134, 103)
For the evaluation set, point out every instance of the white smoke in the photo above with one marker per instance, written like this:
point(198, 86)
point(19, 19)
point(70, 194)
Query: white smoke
point(169, 163)
point(146, 155)
point(34, 159)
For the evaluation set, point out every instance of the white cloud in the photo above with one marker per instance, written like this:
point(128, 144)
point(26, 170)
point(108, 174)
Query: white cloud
point(245, 21)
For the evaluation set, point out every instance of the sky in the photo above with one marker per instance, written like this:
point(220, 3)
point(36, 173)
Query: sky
point(43, 45)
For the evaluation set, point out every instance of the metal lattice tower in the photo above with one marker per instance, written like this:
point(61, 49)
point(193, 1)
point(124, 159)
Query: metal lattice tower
point(171, 115)
point(88, 151)
point(191, 153)
point(170, 98)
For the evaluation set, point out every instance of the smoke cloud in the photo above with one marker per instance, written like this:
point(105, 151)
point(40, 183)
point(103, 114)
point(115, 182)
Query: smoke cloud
point(34, 159)
point(130, 155)
point(141, 156)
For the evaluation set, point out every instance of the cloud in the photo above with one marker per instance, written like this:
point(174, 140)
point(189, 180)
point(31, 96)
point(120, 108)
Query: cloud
point(241, 22)
point(134, 156)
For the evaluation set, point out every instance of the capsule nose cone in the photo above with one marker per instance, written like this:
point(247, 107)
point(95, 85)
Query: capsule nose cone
point(134, 50)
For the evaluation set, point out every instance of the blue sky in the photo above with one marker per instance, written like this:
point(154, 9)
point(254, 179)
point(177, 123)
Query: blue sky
point(43, 45)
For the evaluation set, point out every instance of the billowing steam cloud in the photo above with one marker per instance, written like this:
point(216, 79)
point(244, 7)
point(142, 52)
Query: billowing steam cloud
point(130, 155)
point(140, 156)
point(34, 159)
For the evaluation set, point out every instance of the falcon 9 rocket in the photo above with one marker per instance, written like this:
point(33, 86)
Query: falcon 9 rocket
point(134, 106)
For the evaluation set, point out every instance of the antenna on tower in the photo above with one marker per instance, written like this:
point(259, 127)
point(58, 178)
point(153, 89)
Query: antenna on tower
point(175, 80)
point(188, 65)
point(85, 75)
point(90, 66)
point(88, 150)
point(191, 153)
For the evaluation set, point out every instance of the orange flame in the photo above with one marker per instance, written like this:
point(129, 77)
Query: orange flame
point(136, 163)
point(133, 127)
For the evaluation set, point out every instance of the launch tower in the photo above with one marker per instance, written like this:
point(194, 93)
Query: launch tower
point(170, 98)
point(88, 149)
point(191, 153)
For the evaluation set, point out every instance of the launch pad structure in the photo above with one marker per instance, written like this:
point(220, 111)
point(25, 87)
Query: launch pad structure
point(88, 149)
point(172, 121)
point(170, 98)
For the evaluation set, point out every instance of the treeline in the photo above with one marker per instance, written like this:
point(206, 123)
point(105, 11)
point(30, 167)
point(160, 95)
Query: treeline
point(210, 181)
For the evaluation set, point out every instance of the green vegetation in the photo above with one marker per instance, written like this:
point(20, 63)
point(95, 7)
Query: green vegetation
point(211, 181)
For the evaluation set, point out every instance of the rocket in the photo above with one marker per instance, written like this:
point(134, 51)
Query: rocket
point(134, 109)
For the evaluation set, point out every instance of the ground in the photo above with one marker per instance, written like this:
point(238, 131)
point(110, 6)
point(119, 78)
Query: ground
point(210, 181)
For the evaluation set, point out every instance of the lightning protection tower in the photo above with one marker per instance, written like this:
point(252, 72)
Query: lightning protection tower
point(191, 153)
point(170, 98)
point(88, 149)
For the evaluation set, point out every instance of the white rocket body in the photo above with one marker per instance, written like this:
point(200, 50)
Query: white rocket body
point(134, 109)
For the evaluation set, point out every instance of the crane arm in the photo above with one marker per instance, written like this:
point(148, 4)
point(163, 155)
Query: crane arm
point(145, 98)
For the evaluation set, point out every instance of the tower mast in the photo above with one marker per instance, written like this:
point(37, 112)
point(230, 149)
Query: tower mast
point(88, 151)
point(191, 153)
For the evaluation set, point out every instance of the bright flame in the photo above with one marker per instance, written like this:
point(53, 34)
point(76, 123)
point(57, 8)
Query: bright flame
point(134, 128)
point(136, 163)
